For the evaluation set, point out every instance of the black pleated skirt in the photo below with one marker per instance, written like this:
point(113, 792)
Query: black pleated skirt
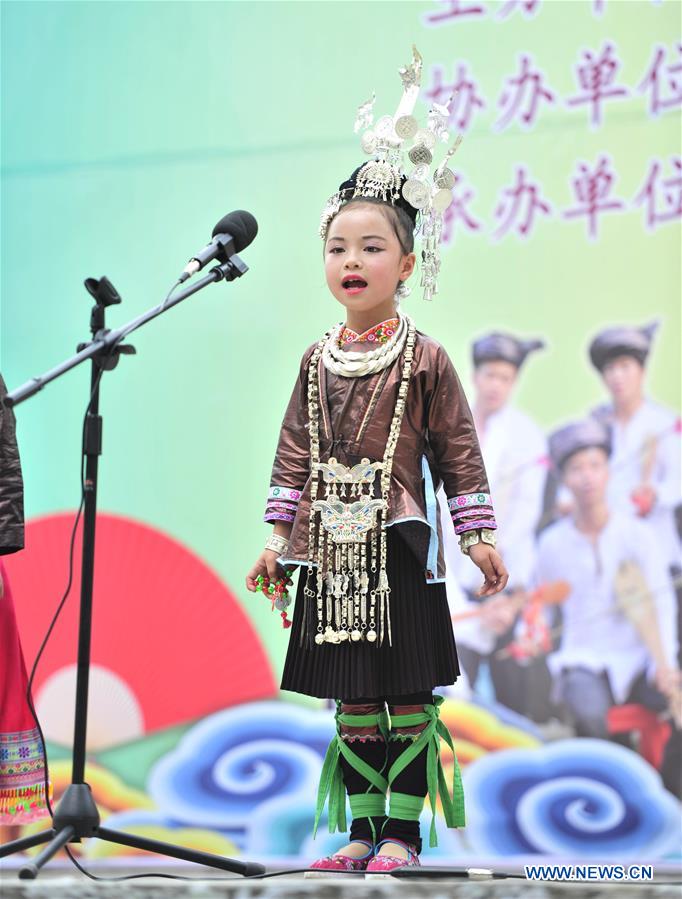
point(422, 656)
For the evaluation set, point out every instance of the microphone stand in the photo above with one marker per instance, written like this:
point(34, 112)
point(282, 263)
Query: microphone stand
point(76, 815)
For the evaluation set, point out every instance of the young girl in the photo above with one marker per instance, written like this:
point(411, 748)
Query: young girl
point(376, 422)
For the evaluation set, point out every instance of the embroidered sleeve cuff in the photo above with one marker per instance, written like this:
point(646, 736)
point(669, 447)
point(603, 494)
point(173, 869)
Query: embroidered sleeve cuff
point(278, 516)
point(471, 511)
point(489, 523)
point(282, 504)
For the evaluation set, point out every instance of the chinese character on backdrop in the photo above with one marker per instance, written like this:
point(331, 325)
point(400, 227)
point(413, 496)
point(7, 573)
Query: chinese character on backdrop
point(451, 11)
point(528, 8)
point(458, 211)
point(663, 97)
point(466, 98)
point(595, 76)
point(592, 190)
point(661, 197)
point(522, 194)
point(526, 85)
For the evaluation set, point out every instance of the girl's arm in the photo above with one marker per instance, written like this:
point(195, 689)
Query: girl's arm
point(291, 467)
point(289, 474)
point(452, 437)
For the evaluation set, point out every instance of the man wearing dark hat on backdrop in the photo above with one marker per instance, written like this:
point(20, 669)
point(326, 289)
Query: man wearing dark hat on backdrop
point(608, 654)
point(646, 459)
point(646, 454)
point(514, 451)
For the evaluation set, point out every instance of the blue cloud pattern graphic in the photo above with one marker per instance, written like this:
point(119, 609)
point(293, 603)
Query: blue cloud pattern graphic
point(231, 763)
point(582, 797)
point(251, 773)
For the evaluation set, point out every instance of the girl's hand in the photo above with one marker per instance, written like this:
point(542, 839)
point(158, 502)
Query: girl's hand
point(490, 562)
point(267, 566)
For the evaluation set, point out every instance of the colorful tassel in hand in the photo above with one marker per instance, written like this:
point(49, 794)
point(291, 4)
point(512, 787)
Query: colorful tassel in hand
point(277, 593)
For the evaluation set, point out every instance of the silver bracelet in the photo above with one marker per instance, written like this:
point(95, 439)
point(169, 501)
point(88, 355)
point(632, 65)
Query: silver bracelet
point(468, 538)
point(277, 543)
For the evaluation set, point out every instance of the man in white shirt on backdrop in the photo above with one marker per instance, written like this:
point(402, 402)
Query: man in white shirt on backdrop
point(604, 657)
point(646, 458)
point(514, 451)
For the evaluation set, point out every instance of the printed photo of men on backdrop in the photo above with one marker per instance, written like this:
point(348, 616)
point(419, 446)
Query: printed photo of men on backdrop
point(646, 460)
point(514, 451)
point(588, 634)
point(617, 635)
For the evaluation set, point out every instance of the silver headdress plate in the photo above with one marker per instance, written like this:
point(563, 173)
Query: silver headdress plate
point(428, 187)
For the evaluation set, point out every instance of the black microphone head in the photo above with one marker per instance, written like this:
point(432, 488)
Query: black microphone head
point(241, 225)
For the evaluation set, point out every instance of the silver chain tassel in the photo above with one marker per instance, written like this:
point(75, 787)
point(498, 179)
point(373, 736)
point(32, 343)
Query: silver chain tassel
point(340, 536)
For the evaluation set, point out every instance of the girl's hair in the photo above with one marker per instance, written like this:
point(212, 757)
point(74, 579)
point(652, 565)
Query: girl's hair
point(402, 224)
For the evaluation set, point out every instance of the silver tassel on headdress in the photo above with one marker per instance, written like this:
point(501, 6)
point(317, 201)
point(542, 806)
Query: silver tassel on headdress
point(428, 188)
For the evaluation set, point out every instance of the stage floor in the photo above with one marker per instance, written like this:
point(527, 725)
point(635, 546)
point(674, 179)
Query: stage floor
point(60, 882)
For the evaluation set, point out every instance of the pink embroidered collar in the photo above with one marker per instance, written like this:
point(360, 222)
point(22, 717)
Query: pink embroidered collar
point(376, 334)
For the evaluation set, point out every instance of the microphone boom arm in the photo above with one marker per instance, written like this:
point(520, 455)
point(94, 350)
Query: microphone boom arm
point(106, 341)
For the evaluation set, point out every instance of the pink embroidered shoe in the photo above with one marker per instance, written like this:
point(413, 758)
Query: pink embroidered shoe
point(382, 863)
point(338, 862)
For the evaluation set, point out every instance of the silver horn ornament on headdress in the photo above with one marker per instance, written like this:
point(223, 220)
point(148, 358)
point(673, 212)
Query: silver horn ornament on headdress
point(428, 187)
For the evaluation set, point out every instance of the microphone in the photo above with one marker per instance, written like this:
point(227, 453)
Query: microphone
point(231, 235)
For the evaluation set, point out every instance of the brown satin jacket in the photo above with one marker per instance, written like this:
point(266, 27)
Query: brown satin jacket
point(437, 444)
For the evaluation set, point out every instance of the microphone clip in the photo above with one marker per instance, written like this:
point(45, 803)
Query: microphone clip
point(228, 271)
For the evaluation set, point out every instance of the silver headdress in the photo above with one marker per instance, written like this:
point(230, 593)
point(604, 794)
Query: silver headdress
point(426, 190)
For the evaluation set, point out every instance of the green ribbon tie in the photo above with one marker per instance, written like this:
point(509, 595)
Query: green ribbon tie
point(405, 806)
point(435, 730)
point(331, 779)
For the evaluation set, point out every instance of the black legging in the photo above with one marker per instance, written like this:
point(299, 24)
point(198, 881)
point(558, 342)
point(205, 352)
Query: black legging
point(378, 755)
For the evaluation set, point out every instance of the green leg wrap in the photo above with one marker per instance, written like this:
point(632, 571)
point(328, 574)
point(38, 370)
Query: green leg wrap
point(435, 730)
point(370, 804)
point(367, 805)
point(331, 780)
point(405, 806)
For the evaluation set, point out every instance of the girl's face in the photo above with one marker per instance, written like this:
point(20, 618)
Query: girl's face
point(364, 261)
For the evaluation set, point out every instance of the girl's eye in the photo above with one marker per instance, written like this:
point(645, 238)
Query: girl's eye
point(340, 249)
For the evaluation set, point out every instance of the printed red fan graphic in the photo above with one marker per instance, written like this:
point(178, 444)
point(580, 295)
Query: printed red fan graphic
point(170, 642)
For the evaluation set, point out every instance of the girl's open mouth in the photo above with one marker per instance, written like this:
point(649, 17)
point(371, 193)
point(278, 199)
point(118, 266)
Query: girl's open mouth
point(354, 285)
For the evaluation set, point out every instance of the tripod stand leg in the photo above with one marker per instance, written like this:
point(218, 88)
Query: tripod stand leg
point(26, 842)
point(30, 870)
point(246, 869)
